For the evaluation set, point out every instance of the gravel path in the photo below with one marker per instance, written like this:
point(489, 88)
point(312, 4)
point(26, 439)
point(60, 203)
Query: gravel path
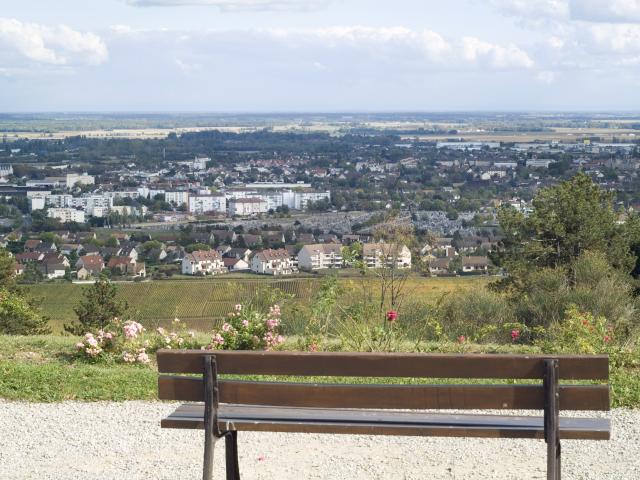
point(106, 440)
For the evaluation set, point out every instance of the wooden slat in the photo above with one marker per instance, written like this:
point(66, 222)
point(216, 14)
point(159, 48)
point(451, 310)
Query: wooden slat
point(243, 418)
point(593, 367)
point(416, 397)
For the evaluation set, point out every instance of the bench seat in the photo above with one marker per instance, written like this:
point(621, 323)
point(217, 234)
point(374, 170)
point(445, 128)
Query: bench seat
point(382, 422)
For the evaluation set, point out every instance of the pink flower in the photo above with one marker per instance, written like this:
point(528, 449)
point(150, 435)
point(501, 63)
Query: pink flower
point(79, 345)
point(92, 342)
point(272, 323)
point(238, 307)
point(462, 339)
point(132, 329)
point(142, 356)
point(128, 357)
point(392, 315)
point(226, 327)
point(245, 323)
point(515, 334)
point(607, 338)
point(274, 311)
point(218, 339)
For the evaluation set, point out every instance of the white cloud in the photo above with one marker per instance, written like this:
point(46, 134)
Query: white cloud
point(230, 5)
point(612, 38)
point(540, 12)
point(400, 45)
point(383, 41)
point(607, 11)
point(59, 45)
point(499, 57)
point(533, 9)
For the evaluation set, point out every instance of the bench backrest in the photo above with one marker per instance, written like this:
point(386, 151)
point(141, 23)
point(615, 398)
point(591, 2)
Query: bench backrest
point(449, 395)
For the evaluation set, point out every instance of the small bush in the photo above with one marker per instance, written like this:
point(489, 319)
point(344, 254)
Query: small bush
point(19, 317)
point(480, 315)
point(129, 342)
point(580, 333)
point(248, 329)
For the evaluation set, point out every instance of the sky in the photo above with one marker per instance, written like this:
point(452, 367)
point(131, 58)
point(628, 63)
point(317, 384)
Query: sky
point(319, 55)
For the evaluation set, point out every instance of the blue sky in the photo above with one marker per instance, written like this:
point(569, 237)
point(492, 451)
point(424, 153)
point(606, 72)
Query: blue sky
point(319, 55)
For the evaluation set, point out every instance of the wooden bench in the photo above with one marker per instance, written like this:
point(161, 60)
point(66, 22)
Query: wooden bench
point(231, 405)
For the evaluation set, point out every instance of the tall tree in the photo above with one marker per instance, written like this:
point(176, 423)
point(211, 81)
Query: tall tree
point(568, 219)
point(98, 308)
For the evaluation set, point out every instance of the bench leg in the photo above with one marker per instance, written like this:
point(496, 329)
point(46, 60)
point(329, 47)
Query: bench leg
point(209, 444)
point(552, 419)
point(553, 460)
point(231, 451)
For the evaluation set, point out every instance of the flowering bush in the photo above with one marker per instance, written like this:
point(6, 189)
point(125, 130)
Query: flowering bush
point(177, 337)
point(248, 329)
point(119, 341)
point(579, 332)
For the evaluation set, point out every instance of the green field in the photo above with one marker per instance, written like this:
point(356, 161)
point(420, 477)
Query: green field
point(203, 302)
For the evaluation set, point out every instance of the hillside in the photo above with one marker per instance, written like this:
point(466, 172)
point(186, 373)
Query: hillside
point(202, 302)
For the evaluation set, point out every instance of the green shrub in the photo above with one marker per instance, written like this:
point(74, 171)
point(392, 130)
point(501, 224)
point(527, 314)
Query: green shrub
point(480, 315)
point(19, 317)
point(97, 309)
point(579, 333)
point(589, 283)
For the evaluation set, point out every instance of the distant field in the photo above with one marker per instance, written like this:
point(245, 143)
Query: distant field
point(470, 132)
point(203, 303)
point(569, 135)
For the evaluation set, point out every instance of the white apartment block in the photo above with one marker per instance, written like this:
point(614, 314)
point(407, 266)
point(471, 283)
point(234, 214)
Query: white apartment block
point(59, 201)
point(150, 193)
point(302, 199)
point(128, 210)
point(203, 262)
point(37, 203)
point(84, 179)
point(240, 193)
point(320, 256)
point(243, 207)
point(199, 204)
point(66, 215)
point(296, 200)
point(38, 193)
point(272, 262)
point(379, 255)
point(124, 194)
point(95, 205)
point(176, 197)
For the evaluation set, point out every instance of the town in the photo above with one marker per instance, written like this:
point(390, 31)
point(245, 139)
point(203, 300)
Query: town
point(279, 203)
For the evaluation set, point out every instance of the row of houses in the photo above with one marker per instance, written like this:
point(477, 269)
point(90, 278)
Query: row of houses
point(285, 261)
point(53, 260)
point(468, 265)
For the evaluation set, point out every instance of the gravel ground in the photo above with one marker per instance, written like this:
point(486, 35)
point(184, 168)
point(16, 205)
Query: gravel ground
point(106, 440)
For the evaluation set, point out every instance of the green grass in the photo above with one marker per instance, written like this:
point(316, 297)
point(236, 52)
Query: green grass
point(40, 368)
point(203, 302)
